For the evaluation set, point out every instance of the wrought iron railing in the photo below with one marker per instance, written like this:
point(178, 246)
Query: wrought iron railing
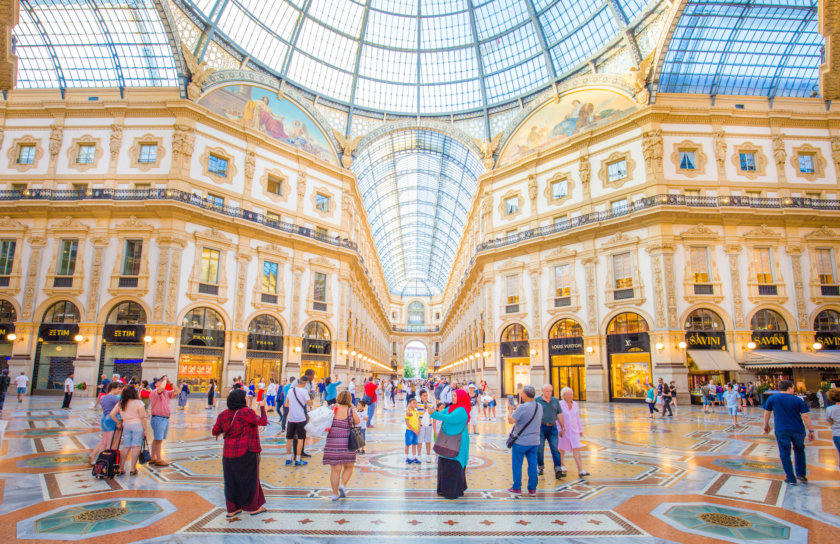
point(415, 328)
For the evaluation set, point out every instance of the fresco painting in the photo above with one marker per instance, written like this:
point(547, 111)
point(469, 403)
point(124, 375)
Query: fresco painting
point(576, 111)
point(260, 109)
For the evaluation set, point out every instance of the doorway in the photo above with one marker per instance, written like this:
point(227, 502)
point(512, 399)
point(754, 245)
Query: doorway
point(415, 360)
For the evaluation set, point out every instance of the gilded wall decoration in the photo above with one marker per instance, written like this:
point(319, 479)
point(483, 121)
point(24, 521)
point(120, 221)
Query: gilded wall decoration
point(653, 150)
point(220, 153)
point(16, 231)
point(591, 294)
point(132, 229)
point(532, 190)
point(68, 228)
point(134, 152)
point(100, 242)
point(173, 289)
point(760, 160)
point(798, 287)
point(670, 289)
point(700, 159)
point(638, 77)
point(14, 152)
point(199, 72)
point(74, 150)
point(348, 146)
point(56, 135)
point(720, 147)
point(817, 161)
point(835, 152)
point(242, 261)
point(488, 149)
point(520, 204)
point(617, 156)
point(658, 290)
point(584, 169)
point(297, 272)
point(160, 283)
point(115, 141)
point(36, 244)
point(737, 302)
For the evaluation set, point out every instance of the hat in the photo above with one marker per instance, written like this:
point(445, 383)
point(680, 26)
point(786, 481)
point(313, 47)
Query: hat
point(472, 386)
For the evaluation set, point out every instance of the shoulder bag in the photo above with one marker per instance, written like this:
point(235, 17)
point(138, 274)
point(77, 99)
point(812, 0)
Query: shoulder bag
point(514, 436)
point(356, 440)
point(145, 456)
point(449, 445)
point(302, 405)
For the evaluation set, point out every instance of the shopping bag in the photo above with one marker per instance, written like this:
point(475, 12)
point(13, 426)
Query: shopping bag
point(320, 420)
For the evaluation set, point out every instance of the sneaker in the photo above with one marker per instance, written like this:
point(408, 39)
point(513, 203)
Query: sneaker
point(288, 461)
point(335, 498)
point(802, 479)
point(300, 463)
point(790, 482)
point(540, 471)
point(583, 473)
point(558, 474)
point(532, 492)
point(408, 461)
point(416, 461)
point(342, 492)
point(515, 491)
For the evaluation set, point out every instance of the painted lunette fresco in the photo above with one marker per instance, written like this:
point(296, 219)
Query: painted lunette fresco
point(281, 119)
point(576, 111)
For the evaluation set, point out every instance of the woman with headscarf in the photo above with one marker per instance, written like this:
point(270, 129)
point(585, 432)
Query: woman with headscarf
point(452, 471)
point(241, 455)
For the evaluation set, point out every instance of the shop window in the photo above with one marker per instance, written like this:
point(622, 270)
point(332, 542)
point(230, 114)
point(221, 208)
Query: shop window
point(623, 271)
point(85, 154)
point(512, 289)
point(62, 311)
point(127, 313)
point(269, 278)
point(700, 264)
point(703, 320)
point(763, 259)
point(617, 170)
point(322, 202)
point(7, 312)
point(148, 154)
point(7, 257)
point(210, 259)
point(511, 205)
point(265, 325)
point(67, 258)
point(203, 318)
point(26, 154)
point(275, 185)
point(559, 189)
point(747, 160)
point(768, 320)
point(562, 280)
point(319, 281)
point(806, 163)
point(826, 321)
point(217, 165)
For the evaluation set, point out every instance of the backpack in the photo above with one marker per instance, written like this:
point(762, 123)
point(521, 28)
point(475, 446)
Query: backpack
point(108, 462)
point(438, 391)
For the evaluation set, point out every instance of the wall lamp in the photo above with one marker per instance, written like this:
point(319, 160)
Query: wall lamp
point(590, 350)
point(682, 345)
point(148, 339)
point(11, 337)
point(79, 338)
point(751, 345)
point(240, 345)
point(533, 352)
point(816, 346)
point(170, 340)
point(660, 346)
point(297, 349)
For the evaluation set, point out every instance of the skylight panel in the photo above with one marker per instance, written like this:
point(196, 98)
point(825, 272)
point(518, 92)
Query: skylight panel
point(516, 80)
point(388, 64)
point(327, 46)
point(580, 45)
point(512, 48)
point(496, 16)
point(391, 30)
point(403, 7)
point(319, 77)
point(342, 15)
point(446, 31)
point(264, 45)
point(278, 17)
point(386, 96)
point(563, 18)
point(632, 8)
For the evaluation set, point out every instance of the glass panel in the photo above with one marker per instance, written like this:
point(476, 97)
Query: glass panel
point(747, 162)
point(562, 280)
point(26, 154)
point(703, 320)
point(416, 313)
point(700, 264)
point(825, 266)
point(687, 160)
point(623, 270)
point(131, 259)
point(265, 324)
point(148, 153)
point(217, 165)
point(763, 262)
point(768, 320)
point(559, 189)
point(275, 185)
point(67, 258)
point(322, 202)
point(512, 288)
point(210, 266)
point(319, 287)
point(127, 313)
point(806, 163)
point(7, 256)
point(617, 170)
point(86, 154)
point(512, 205)
point(62, 312)
point(627, 323)
point(827, 321)
point(269, 281)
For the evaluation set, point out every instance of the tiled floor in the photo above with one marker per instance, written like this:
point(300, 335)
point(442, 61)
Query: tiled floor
point(692, 478)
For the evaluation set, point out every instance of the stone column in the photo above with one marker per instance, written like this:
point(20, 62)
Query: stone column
point(795, 252)
point(733, 251)
point(597, 387)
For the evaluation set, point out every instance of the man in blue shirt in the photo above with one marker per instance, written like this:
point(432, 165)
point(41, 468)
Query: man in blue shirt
point(790, 418)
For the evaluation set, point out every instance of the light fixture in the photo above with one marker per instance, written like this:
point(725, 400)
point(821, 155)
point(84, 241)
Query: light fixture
point(590, 349)
point(147, 339)
point(353, 353)
point(345, 352)
point(751, 345)
point(817, 346)
point(11, 337)
point(533, 352)
point(682, 345)
point(297, 349)
point(487, 354)
point(240, 345)
point(78, 338)
point(660, 346)
point(170, 340)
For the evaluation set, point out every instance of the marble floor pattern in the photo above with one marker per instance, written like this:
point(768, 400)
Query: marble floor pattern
point(694, 478)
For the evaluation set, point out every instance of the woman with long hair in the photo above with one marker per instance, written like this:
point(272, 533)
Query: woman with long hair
point(211, 395)
point(452, 471)
point(107, 402)
point(132, 420)
point(241, 454)
point(337, 453)
point(184, 396)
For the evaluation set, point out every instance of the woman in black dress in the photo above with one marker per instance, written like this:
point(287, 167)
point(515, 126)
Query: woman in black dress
point(211, 395)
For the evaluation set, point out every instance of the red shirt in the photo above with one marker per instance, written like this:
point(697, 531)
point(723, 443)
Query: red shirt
point(370, 390)
point(241, 431)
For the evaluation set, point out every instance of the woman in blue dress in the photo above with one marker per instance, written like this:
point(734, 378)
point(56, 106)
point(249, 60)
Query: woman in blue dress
point(452, 472)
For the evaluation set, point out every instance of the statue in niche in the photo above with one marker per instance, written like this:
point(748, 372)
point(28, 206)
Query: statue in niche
point(199, 72)
point(488, 148)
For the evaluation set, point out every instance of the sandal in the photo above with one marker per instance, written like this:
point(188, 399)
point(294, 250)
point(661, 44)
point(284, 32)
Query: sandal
point(233, 514)
point(258, 512)
point(133, 473)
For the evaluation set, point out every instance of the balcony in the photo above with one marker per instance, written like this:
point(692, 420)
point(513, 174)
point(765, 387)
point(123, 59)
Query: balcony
point(766, 290)
point(562, 302)
point(415, 328)
point(128, 282)
point(825, 290)
point(704, 289)
point(208, 289)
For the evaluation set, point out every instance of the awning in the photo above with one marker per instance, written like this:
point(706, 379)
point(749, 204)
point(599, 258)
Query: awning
point(792, 359)
point(714, 360)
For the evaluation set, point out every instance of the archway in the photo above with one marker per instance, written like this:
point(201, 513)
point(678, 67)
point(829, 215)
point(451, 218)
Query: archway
point(415, 360)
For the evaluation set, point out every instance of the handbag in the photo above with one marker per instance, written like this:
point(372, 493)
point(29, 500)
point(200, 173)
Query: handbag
point(514, 436)
point(367, 400)
point(448, 445)
point(356, 440)
point(145, 455)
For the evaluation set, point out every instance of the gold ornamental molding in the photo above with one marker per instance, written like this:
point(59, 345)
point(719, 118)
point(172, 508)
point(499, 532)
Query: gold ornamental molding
point(9, 14)
point(829, 28)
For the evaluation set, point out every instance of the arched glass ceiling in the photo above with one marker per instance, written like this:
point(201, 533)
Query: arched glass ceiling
point(417, 187)
point(92, 43)
point(753, 47)
point(420, 56)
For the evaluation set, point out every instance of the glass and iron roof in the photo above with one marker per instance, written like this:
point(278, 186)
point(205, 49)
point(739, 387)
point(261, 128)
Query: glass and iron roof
point(757, 47)
point(417, 187)
point(92, 43)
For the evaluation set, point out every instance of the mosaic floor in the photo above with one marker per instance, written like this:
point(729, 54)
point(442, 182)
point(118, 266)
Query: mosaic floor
point(693, 478)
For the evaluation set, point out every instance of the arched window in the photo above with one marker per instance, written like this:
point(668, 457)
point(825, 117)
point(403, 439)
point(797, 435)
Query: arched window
point(703, 320)
point(127, 313)
point(768, 320)
point(62, 311)
point(515, 333)
point(266, 325)
point(827, 321)
point(627, 323)
point(565, 328)
point(204, 318)
point(316, 331)
point(416, 313)
point(7, 312)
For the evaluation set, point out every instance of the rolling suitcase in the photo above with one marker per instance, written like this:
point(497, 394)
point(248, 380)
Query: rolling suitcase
point(108, 462)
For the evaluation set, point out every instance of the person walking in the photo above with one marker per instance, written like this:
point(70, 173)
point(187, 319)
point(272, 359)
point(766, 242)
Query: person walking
point(552, 416)
point(4, 386)
point(733, 402)
point(650, 399)
point(672, 392)
point(132, 421)
point(351, 388)
point(106, 424)
point(704, 396)
point(184, 396)
point(490, 404)
point(790, 418)
point(281, 402)
point(159, 408)
point(211, 395)
point(526, 420)
point(832, 416)
point(271, 394)
point(665, 393)
point(20, 384)
point(337, 453)
point(452, 471)
point(68, 392)
point(241, 454)
point(297, 401)
point(361, 411)
point(570, 439)
point(331, 391)
point(102, 389)
point(370, 399)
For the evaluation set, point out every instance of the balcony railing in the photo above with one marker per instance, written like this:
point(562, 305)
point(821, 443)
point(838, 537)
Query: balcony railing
point(825, 290)
point(415, 328)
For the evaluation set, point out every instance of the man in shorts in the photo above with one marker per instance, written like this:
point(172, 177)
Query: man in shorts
point(21, 382)
point(159, 408)
point(426, 436)
point(297, 402)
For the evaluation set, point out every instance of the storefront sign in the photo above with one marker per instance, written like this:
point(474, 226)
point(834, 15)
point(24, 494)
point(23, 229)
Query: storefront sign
point(770, 340)
point(203, 337)
point(6, 329)
point(195, 371)
point(515, 349)
point(829, 340)
point(123, 334)
point(265, 342)
point(318, 347)
point(706, 340)
point(58, 332)
point(565, 346)
point(628, 343)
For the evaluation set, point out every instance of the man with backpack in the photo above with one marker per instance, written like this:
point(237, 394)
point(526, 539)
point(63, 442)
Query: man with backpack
point(443, 392)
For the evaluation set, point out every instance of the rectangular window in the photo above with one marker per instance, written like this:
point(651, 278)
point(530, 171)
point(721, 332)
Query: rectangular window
point(7, 257)
point(814, 196)
point(747, 162)
point(806, 163)
point(692, 192)
point(623, 270)
point(619, 206)
point(67, 258)
point(85, 154)
point(825, 266)
point(269, 281)
point(210, 265)
point(322, 202)
point(215, 200)
point(559, 189)
point(321, 232)
point(617, 170)
point(319, 280)
point(26, 154)
point(131, 259)
point(562, 280)
point(763, 257)
point(687, 160)
point(700, 264)
point(148, 153)
point(561, 221)
point(275, 185)
point(217, 165)
point(512, 288)
point(512, 205)
point(19, 187)
point(272, 217)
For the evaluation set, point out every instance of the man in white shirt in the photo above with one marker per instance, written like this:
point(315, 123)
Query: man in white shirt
point(352, 389)
point(297, 401)
point(68, 392)
point(21, 382)
point(271, 395)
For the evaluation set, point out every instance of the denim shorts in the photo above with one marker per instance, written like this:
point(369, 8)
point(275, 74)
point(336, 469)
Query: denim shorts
point(733, 410)
point(410, 438)
point(21, 390)
point(132, 435)
point(160, 426)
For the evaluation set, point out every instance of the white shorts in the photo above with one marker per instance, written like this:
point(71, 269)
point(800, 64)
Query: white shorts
point(425, 435)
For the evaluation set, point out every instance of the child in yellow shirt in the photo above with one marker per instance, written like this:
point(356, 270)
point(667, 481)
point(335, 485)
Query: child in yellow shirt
point(412, 431)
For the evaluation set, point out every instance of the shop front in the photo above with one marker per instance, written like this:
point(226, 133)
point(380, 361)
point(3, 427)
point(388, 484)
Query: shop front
point(316, 350)
point(769, 334)
point(55, 354)
point(122, 342)
point(827, 339)
point(202, 349)
point(8, 316)
point(264, 357)
point(707, 356)
point(516, 359)
point(628, 352)
point(565, 348)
